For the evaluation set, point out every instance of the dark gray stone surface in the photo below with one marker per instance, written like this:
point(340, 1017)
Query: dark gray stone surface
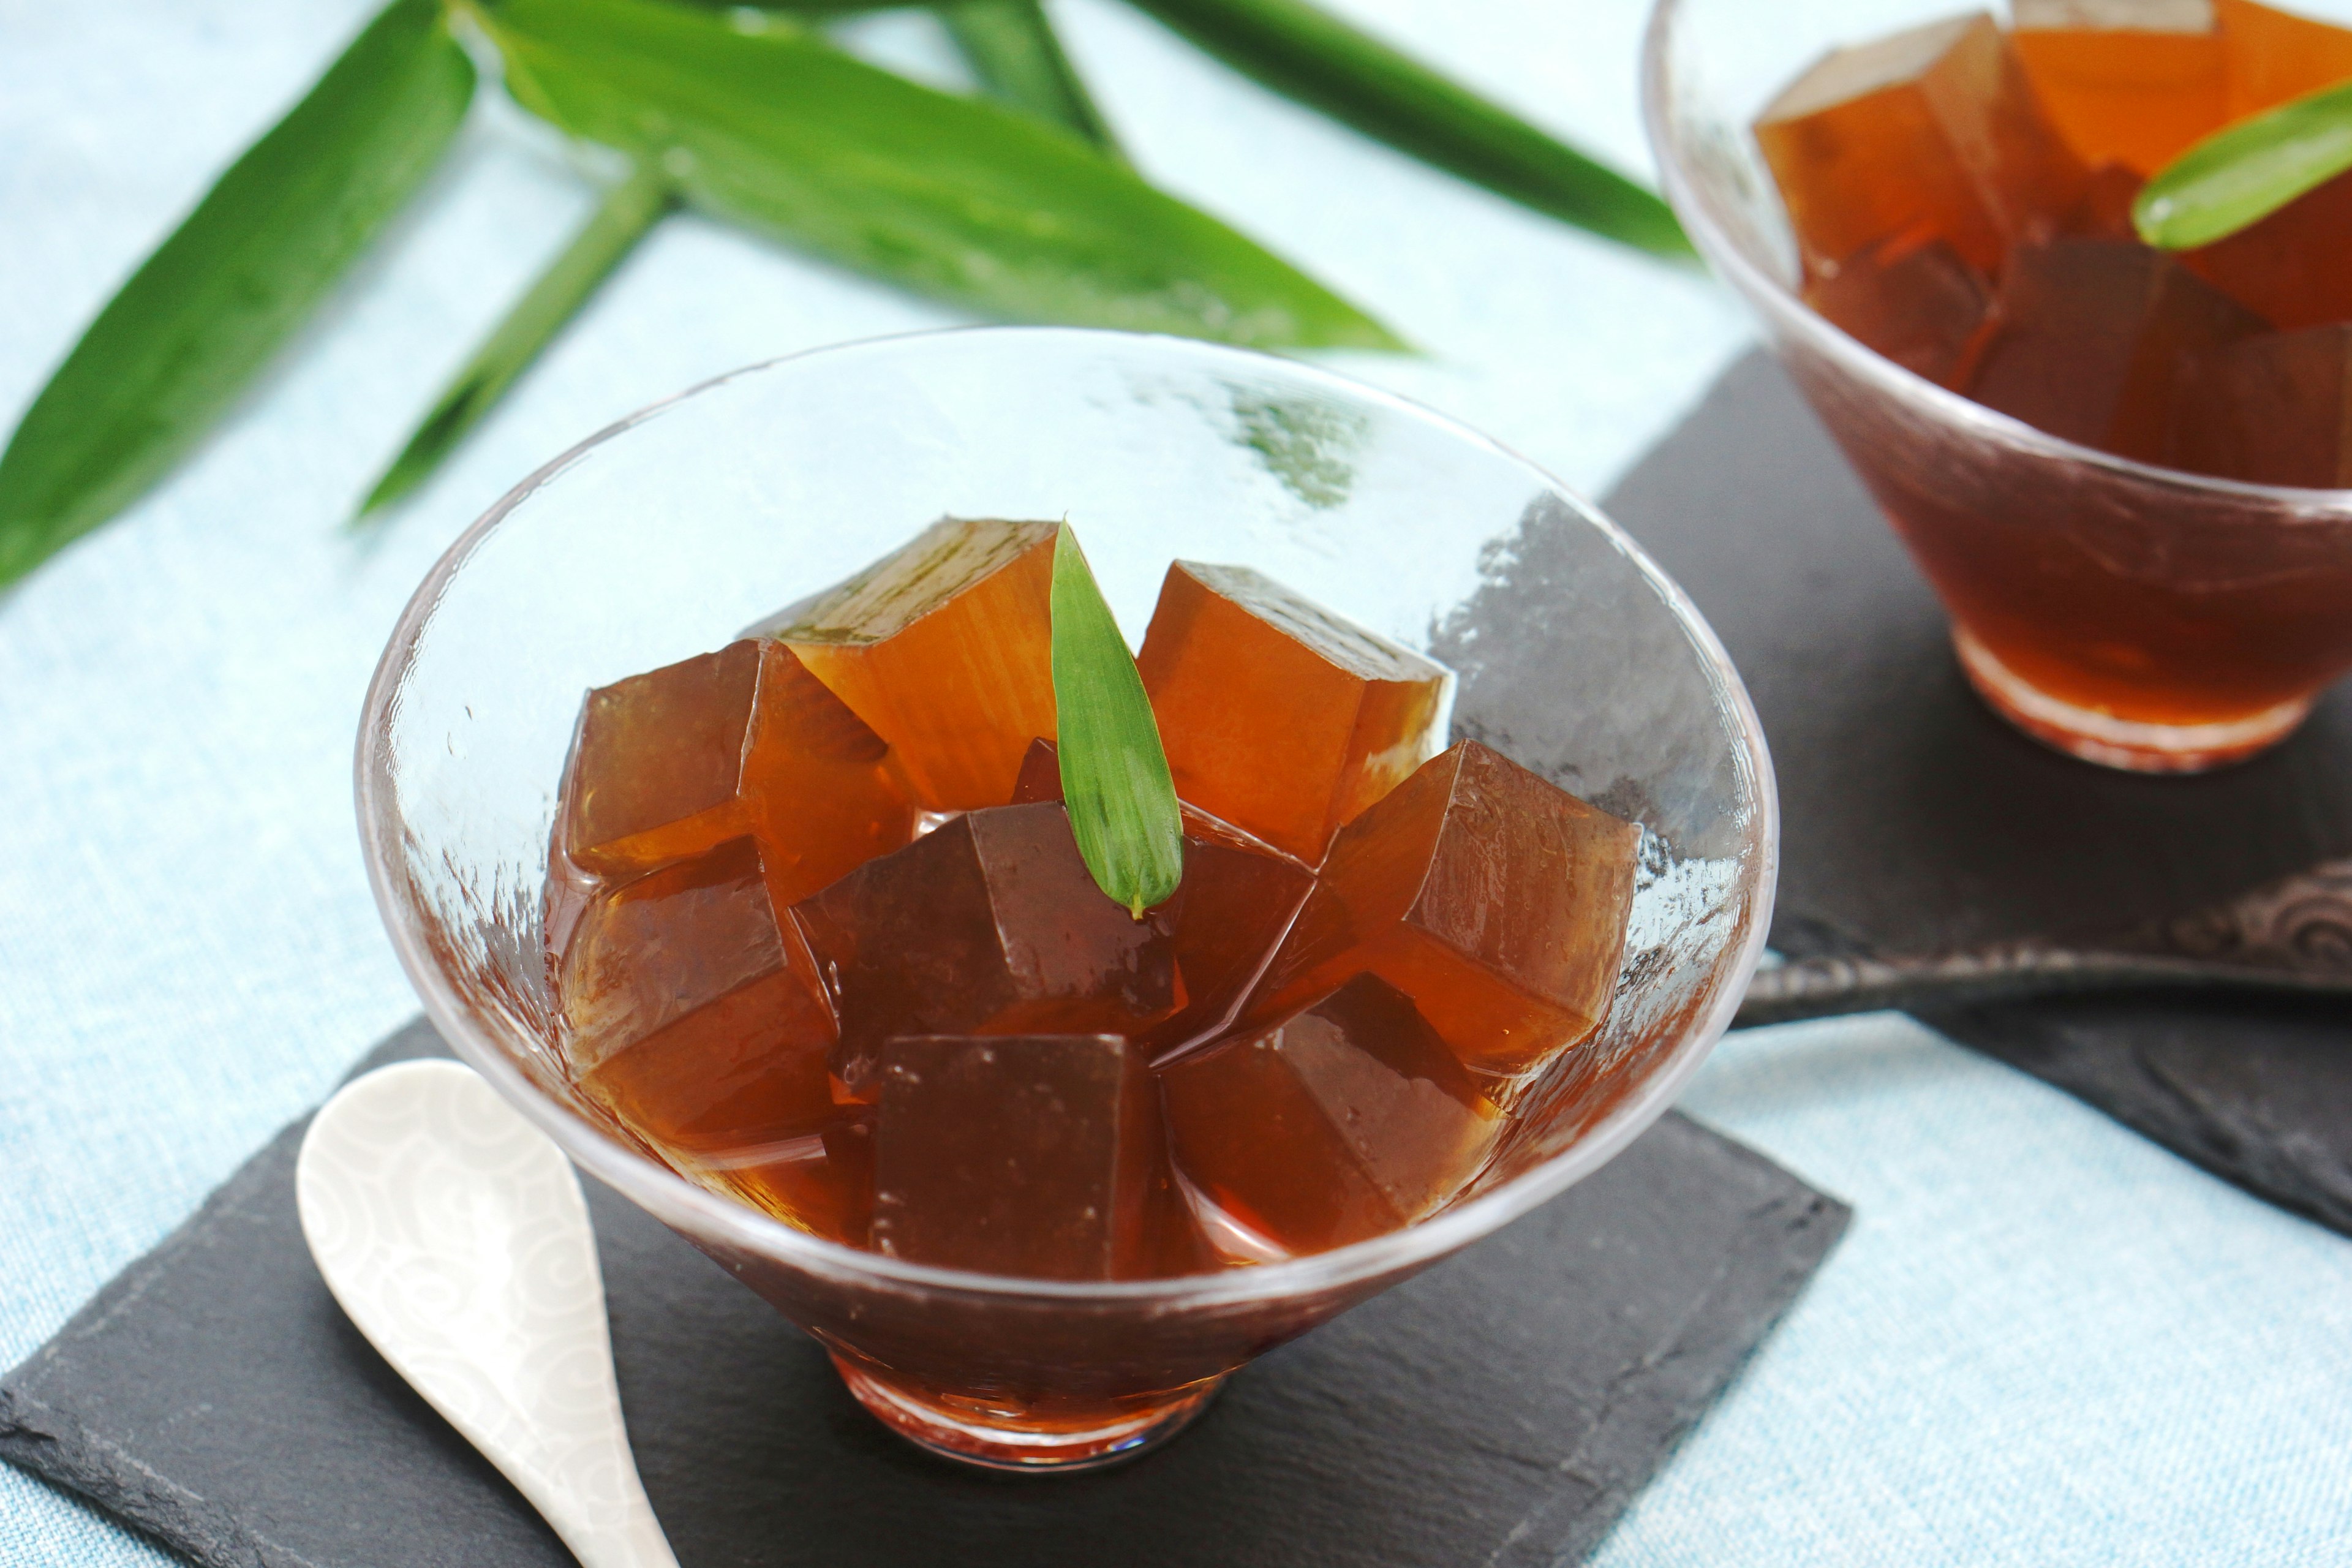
point(1500, 1409)
point(1915, 820)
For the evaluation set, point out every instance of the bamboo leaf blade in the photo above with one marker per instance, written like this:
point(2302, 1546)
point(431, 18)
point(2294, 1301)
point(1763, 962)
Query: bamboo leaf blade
point(952, 198)
point(2246, 172)
point(1013, 49)
point(625, 215)
point(207, 310)
point(1115, 780)
point(1307, 54)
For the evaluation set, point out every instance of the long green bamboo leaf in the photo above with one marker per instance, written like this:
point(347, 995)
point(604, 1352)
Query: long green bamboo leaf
point(203, 314)
point(1115, 780)
point(1307, 54)
point(948, 196)
point(627, 212)
point(1013, 49)
point(2244, 173)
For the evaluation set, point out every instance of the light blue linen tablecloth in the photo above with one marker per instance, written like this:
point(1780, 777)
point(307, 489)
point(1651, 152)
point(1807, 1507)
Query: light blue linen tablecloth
point(2044, 1342)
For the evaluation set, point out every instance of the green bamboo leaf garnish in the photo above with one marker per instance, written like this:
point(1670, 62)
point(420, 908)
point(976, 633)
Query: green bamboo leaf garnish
point(205, 312)
point(957, 198)
point(628, 210)
point(2246, 172)
point(1012, 47)
point(1310, 55)
point(1115, 780)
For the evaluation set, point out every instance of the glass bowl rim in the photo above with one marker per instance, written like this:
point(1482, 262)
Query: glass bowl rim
point(2302, 503)
point(671, 1198)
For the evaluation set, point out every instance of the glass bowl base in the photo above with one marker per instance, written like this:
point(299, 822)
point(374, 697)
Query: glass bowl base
point(2126, 743)
point(1060, 1447)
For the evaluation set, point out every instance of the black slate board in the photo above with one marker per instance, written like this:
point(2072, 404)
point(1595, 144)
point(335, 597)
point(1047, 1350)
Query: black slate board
point(1501, 1409)
point(1914, 819)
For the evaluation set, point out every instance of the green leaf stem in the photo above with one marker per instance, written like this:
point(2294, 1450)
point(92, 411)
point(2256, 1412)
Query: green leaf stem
point(205, 312)
point(2246, 172)
point(956, 199)
point(1012, 47)
point(628, 210)
point(1115, 780)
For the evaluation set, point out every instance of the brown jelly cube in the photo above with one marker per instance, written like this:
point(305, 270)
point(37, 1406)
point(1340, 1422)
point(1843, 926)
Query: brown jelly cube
point(1277, 716)
point(990, 924)
point(820, 1182)
point(2275, 409)
point(668, 763)
point(2106, 210)
point(945, 647)
point(2289, 267)
point(1930, 132)
point(1918, 304)
point(2095, 341)
point(1347, 1119)
point(2270, 56)
point(2126, 81)
point(1492, 898)
point(1239, 895)
point(1028, 1154)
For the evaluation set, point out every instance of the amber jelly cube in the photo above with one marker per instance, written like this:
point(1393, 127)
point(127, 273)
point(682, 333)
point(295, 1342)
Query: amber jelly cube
point(1919, 305)
point(2289, 267)
point(945, 647)
point(1276, 715)
point(2126, 81)
point(1932, 132)
point(2275, 409)
point(2270, 56)
point(668, 764)
point(990, 924)
point(1492, 898)
point(2097, 339)
point(1347, 1119)
point(820, 1182)
point(1027, 1154)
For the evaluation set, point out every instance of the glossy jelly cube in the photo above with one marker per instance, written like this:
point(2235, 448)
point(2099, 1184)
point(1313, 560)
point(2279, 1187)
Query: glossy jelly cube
point(1277, 716)
point(1492, 898)
point(1919, 305)
point(821, 1181)
point(2126, 81)
point(1347, 1119)
point(1027, 1154)
point(2289, 267)
point(1239, 896)
point(2106, 210)
point(2095, 341)
point(2270, 56)
point(945, 647)
point(990, 924)
point(668, 764)
point(2275, 409)
point(1934, 132)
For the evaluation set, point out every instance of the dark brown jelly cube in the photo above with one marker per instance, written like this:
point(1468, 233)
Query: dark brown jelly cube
point(2289, 267)
point(945, 647)
point(1347, 1119)
point(990, 924)
point(1277, 716)
point(1919, 305)
point(1495, 899)
point(2275, 409)
point(665, 765)
point(1932, 132)
point(2096, 338)
point(1026, 1154)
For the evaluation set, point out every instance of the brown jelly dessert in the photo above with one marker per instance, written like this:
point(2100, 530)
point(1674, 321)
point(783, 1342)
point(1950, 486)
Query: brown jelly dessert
point(1034, 1154)
point(1347, 1119)
point(2131, 82)
point(1916, 302)
point(1932, 132)
point(945, 648)
point(2275, 409)
point(991, 924)
point(1277, 716)
point(1451, 890)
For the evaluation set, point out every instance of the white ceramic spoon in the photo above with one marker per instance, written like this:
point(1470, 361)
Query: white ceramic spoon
point(454, 1234)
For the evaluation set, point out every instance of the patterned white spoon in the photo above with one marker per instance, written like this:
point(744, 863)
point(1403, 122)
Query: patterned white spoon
point(454, 1234)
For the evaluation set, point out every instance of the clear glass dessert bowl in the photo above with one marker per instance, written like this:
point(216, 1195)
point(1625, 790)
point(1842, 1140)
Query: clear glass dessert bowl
point(2133, 616)
point(665, 535)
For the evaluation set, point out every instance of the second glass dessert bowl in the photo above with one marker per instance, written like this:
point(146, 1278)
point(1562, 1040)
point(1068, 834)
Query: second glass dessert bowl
point(2132, 614)
point(666, 537)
